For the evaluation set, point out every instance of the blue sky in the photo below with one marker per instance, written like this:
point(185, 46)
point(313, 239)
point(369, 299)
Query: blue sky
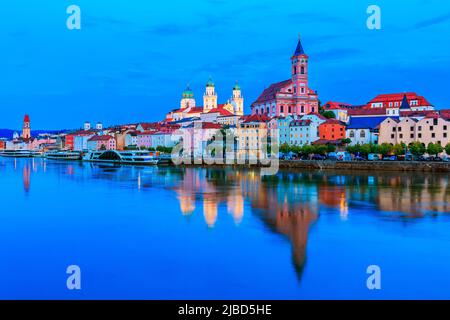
point(132, 59)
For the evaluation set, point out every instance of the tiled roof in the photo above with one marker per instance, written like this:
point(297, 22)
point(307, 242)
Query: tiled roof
point(257, 118)
point(333, 121)
point(272, 90)
point(221, 111)
point(397, 97)
point(100, 138)
point(367, 112)
point(366, 122)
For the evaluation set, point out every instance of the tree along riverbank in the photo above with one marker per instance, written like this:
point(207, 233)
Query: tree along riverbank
point(368, 166)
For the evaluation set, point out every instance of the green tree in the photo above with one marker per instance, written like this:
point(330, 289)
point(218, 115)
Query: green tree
point(434, 149)
point(329, 114)
point(447, 149)
point(366, 149)
point(346, 141)
point(385, 149)
point(285, 148)
point(320, 149)
point(399, 149)
point(331, 148)
point(417, 149)
point(102, 147)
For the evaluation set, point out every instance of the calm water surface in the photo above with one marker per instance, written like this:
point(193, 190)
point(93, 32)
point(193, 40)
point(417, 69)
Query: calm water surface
point(168, 233)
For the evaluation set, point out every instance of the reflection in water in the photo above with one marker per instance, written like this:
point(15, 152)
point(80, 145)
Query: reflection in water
point(288, 204)
point(26, 173)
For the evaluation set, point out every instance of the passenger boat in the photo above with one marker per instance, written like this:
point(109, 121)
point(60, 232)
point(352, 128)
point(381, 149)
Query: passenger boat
point(64, 155)
point(16, 153)
point(136, 157)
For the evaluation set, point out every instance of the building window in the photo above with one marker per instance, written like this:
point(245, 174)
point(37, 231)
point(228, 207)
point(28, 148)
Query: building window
point(295, 69)
point(352, 134)
point(445, 134)
point(302, 70)
point(431, 128)
point(392, 136)
point(412, 128)
point(302, 109)
point(420, 128)
point(290, 109)
point(433, 135)
point(420, 135)
point(362, 134)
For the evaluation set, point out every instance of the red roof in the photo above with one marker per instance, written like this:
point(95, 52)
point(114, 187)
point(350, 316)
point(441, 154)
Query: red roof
point(257, 118)
point(272, 90)
point(196, 110)
point(333, 105)
point(367, 112)
point(100, 138)
point(211, 125)
point(333, 121)
point(26, 118)
point(398, 97)
point(221, 111)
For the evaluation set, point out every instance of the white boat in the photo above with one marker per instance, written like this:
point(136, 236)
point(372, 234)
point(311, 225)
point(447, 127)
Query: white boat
point(121, 157)
point(16, 153)
point(63, 155)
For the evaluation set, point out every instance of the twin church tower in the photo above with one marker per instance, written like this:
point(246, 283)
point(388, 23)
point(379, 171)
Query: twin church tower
point(189, 109)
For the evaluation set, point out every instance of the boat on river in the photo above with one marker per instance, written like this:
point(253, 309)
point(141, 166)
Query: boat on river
point(16, 153)
point(136, 157)
point(64, 155)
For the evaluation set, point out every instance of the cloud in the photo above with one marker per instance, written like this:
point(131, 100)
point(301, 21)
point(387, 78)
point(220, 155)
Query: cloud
point(433, 21)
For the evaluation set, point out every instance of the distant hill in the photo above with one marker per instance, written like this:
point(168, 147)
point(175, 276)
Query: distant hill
point(8, 133)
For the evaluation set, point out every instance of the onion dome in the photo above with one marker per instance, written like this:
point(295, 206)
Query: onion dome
point(237, 86)
point(210, 83)
point(188, 94)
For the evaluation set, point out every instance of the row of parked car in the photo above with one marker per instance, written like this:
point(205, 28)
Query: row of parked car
point(345, 156)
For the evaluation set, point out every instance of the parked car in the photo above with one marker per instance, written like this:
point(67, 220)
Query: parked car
point(344, 156)
point(374, 157)
point(435, 159)
point(390, 158)
point(318, 157)
point(446, 159)
point(332, 156)
point(359, 158)
point(422, 158)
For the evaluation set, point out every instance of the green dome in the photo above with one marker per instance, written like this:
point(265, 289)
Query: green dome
point(188, 94)
point(237, 86)
point(210, 83)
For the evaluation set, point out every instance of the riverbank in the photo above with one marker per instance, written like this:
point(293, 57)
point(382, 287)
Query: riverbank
point(368, 166)
point(392, 166)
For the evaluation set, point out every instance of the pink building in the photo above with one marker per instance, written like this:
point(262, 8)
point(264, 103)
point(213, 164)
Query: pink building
point(105, 142)
point(289, 97)
point(144, 139)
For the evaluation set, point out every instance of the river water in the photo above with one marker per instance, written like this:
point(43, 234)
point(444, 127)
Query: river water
point(208, 233)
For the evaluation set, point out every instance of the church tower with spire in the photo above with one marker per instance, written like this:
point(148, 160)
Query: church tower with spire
point(210, 97)
point(26, 129)
point(300, 71)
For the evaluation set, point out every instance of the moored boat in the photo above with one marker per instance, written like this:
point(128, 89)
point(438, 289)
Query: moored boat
point(64, 155)
point(16, 153)
point(136, 157)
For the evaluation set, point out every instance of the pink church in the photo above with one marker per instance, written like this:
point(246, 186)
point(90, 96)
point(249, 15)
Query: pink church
point(289, 97)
